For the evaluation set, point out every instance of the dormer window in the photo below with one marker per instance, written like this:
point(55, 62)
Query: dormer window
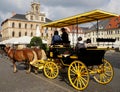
point(118, 25)
point(31, 17)
point(109, 25)
point(42, 18)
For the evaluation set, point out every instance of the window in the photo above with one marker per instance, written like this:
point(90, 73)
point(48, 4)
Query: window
point(46, 34)
point(31, 26)
point(42, 35)
point(37, 8)
point(25, 33)
point(109, 25)
point(42, 18)
point(19, 25)
point(13, 25)
point(51, 35)
point(25, 26)
point(19, 34)
point(13, 34)
point(31, 17)
point(31, 33)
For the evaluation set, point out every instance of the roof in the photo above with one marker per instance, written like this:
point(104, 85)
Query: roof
point(22, 17)
point(19, 16)
point(81, 18)
point(114, 23)
point(102, 23)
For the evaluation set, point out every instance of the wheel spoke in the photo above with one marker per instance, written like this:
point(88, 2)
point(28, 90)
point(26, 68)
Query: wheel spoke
point(84, 79)
point(83, 84)
point(108, 73)
point(75, 66)
point(75, 81)
point(73, 71)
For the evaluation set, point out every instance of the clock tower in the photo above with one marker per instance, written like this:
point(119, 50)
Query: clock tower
point(34, 14)
point(35, 8)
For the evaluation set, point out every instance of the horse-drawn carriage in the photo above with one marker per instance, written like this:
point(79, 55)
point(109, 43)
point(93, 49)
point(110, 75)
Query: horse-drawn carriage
point(87, 62)
point(82, 64)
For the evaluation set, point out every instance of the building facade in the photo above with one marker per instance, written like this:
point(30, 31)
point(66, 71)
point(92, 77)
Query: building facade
point(24, 24)
point(106, 29)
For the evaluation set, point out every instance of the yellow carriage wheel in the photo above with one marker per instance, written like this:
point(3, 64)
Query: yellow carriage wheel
point(78, 75)
point(105, 73)
point(51, 70)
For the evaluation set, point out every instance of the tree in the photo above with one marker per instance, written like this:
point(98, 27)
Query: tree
point(36, 41)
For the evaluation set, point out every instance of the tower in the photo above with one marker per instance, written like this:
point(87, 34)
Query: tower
point(35, 7)
point(34, 13)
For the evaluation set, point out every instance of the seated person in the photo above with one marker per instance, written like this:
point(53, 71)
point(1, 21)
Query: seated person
point(80, 44)
point(64, 36)
point(89, 44)
point(56, 39)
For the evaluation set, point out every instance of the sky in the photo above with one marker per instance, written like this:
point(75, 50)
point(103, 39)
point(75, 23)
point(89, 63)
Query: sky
point(57, 9)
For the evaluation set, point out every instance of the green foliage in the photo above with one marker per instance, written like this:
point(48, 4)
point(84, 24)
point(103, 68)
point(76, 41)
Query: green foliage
point(36, 41)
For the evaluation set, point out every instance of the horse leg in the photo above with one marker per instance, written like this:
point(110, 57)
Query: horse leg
point(36, 70)
point(14, 67)
point(29, 68)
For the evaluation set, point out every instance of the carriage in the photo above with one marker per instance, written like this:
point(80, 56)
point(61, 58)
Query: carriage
point(82, 64)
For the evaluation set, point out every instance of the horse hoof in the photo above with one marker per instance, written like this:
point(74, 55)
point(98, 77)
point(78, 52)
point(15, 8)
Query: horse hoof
point(27, 72)
point(15, 71)
point(36, 72)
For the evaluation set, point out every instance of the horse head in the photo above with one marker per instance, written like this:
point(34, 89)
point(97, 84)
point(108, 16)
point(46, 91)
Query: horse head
point(6, 49)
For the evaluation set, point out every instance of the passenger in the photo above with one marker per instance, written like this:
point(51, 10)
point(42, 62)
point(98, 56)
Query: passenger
point(80, 44)
point(89, 44)
point(64, 36)
point(56, 39)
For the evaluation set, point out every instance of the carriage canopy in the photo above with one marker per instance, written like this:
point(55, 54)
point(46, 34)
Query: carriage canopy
point(81, 18)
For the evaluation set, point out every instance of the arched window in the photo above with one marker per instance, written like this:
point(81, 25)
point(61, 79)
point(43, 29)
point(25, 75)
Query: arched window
point(19, 34)
point(25, 33)
point(31, 17)
point(19, 25)
point(13, 34)
point(25, 26)
point(13, 25)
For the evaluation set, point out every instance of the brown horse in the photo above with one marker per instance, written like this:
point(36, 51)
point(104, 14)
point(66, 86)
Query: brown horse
point(21, 55)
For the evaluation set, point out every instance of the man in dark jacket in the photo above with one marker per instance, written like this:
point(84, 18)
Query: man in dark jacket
point(64, 36)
